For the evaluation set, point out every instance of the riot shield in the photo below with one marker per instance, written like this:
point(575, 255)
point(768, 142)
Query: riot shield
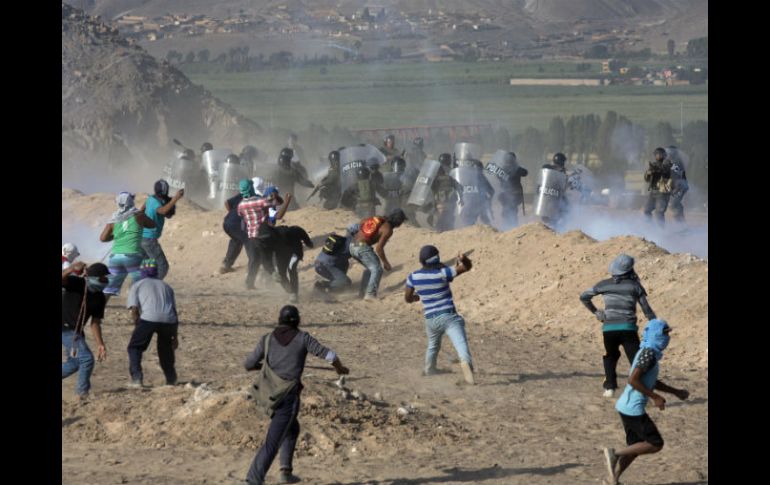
point(391, 191)
point(551, 189)
point(499, 172)
point(354, 157)
point(270, 174)
point(475, 196)
point(230, 174)
point(408, 178)
point(180, 173)
point(211, 161)
point(421, 190)
point(467, 151)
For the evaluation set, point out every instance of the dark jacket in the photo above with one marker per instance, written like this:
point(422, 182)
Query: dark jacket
point(288, 361)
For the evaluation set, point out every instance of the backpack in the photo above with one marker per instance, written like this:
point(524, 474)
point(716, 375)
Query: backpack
point(370, 227)
point(334, 244)
point(269, 389)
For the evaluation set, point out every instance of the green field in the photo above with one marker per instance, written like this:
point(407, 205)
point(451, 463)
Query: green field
point(388, 95)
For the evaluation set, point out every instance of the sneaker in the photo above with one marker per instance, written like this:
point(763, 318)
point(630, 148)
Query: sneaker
point(293, 298)
point(430, 371)
point(609, 393)
point(226, 269)
point(136, 384)
point(83, 397)
point(611, 460)
point(287, 477)
point(467, 372)
point(370, 298)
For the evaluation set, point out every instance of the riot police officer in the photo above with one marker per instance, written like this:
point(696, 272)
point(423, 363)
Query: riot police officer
point(679, 184)
point(389, 150)
point(416, 155)
point(558, 163)
point(290, 173)
point(248, 157)
point(658, 178)
point(330, 184)
point(391, 188)
point(446, 195)
point(364, 199)
point(512, 194)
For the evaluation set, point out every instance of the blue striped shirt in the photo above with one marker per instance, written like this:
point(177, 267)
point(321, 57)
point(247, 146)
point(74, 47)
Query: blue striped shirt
point(432, 285)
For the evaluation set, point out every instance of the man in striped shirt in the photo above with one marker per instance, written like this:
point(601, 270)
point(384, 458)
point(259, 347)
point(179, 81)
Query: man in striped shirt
point(431, 284)
point(254, 211)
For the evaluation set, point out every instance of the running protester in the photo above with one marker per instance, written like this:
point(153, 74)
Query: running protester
point(159, 207)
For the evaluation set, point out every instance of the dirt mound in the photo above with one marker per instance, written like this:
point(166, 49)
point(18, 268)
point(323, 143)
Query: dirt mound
point(120, 103)
point(183, 415)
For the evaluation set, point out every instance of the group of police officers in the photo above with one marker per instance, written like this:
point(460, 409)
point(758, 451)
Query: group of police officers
point(455, 191)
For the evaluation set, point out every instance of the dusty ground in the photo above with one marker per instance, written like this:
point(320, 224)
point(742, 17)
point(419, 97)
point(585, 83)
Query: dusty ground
point(536, 415)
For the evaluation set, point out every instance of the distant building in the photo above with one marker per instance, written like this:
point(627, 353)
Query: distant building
point(555, 82)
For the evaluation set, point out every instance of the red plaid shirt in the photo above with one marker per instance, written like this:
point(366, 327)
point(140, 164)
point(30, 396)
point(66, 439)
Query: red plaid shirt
point(254, 211)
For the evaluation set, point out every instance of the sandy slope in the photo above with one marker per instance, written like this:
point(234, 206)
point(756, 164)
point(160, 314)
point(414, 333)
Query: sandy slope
point(535, 417)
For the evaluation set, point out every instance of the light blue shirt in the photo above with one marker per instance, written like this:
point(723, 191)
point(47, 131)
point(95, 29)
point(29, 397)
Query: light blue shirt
point(633, 402)
point(151, 210)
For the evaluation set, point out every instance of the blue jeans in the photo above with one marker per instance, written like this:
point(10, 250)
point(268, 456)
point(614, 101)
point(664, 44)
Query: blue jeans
point(337, 278)
point(281, 436)
point(83, 364)
point(364, 254)
point(152, 249)
point(454, 326)
point(122, 265)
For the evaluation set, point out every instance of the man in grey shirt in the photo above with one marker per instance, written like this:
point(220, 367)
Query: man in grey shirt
point(621, 294)
point(288, 348)
point(153, 309)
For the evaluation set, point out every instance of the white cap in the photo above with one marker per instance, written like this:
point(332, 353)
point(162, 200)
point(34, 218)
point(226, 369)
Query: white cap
point(259, 185)
point(70, 251)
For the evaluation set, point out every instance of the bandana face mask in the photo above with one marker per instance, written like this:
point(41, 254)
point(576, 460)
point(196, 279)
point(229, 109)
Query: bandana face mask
point(95, 285)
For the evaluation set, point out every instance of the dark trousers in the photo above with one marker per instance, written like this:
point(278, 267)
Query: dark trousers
point(677, 209)
point(282, 434)
point(139, 342)
point(254, 254)
point(510, 215)
point(290, 283)
point(238, 238)
point(658, 202)
point(445, 216)
point(612, 342)
point(267, 242)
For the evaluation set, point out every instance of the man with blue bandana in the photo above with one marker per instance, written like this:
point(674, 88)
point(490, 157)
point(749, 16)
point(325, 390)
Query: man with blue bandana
point(642, 436)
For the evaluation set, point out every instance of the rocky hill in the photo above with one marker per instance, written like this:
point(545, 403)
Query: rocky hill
point(118, 102)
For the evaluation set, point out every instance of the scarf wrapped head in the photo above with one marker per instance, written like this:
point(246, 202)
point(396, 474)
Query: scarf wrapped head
point(246, 188)
point(655, 337)
point(126, 208)
point(70, 251)
point(259, 185)
point(149, 268)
